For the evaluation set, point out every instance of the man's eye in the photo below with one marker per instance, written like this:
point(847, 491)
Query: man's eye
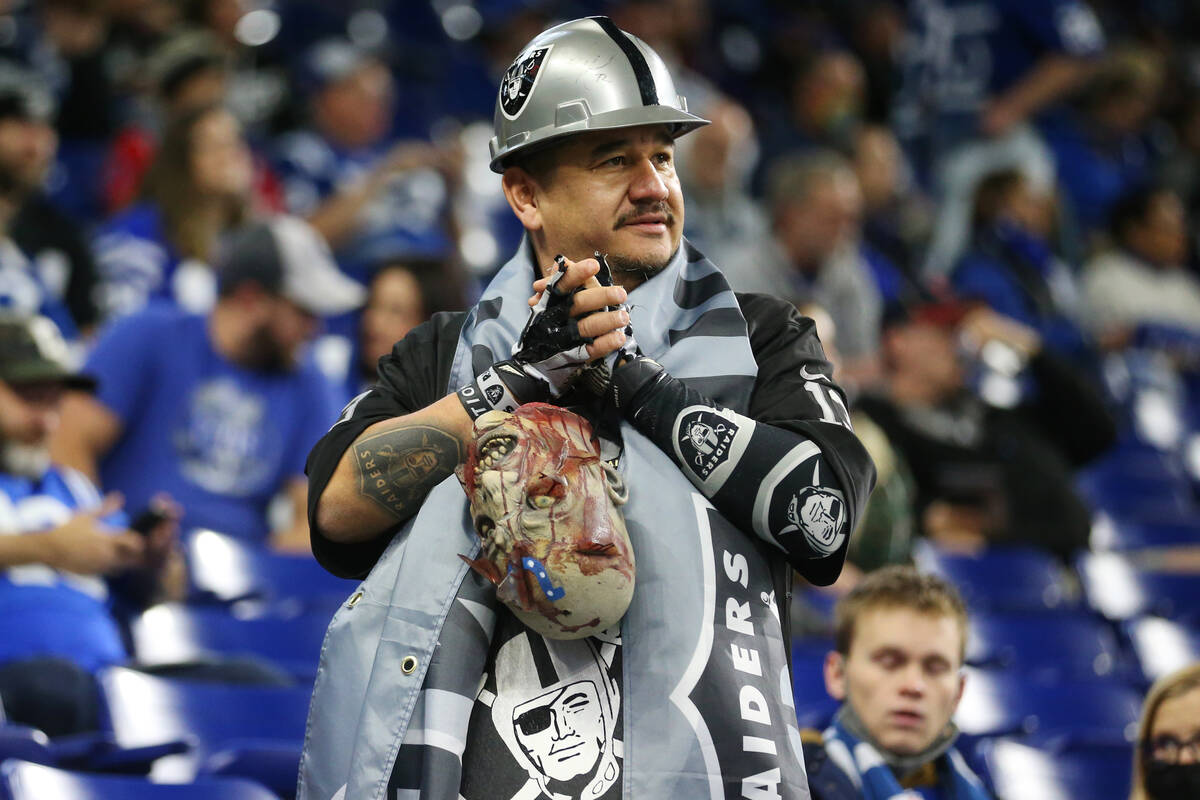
point(615, 161)
point(663, 158)
point(889, 660)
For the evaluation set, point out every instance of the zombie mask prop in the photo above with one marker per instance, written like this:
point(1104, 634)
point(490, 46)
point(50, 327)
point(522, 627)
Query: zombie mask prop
point(547, 509)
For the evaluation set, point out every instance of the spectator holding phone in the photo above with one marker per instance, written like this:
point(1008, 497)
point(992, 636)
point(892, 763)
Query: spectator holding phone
point(59, 542)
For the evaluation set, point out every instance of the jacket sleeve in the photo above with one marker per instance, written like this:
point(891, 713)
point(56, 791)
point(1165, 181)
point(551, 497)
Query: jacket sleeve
point(789, 395)
point(793, 472)
point(414, 375)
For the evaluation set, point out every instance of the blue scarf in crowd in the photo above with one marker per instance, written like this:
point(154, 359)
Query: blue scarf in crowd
point(865, 766)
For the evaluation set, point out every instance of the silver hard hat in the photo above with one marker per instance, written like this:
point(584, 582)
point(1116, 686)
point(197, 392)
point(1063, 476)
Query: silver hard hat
point(583, 75)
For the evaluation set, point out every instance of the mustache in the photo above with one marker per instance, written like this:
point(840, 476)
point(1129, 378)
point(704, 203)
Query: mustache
point(658, 207)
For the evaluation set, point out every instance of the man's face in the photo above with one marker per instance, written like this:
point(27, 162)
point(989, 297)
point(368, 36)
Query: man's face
point(1161, 238)
point(562, 731)
point(282, 330)
point(813, 228)
point(902, 676)
point(356, 111)
point(926, 354)
point(27, 149)
point(615, 192)
point(31, 416)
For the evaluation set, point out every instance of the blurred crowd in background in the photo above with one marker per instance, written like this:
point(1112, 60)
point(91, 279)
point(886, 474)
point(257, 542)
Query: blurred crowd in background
point(226, 211)
point(984, 203)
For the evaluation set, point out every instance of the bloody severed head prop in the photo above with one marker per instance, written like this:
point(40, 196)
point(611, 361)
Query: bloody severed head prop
point(546, 507)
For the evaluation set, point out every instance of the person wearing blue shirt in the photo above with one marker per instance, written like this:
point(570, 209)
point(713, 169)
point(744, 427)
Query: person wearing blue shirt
point(1009, 266)
point(1104, 148)
point(219, 411)
point(59, 539)
point(974, 75)
point(371, 197)
point(900, 638)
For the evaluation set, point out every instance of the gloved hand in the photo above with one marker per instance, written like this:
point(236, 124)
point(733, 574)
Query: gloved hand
point(547, 357)
point(551, 350)
point(596, 375)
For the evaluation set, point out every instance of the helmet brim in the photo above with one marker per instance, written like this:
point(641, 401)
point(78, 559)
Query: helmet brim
point(681, 122)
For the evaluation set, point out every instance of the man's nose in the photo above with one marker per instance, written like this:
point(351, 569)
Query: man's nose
point(912, 682)
point(648, 183)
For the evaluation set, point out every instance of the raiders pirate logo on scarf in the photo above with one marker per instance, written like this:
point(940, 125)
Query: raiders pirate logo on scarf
point(546, 723)
point(520, 80)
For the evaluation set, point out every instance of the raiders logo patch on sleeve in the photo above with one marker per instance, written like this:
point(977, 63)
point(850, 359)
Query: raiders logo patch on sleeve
point(796, 499)
point(709, 442)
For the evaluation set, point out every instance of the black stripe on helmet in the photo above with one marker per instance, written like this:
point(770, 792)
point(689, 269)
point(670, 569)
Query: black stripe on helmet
point(641, 70)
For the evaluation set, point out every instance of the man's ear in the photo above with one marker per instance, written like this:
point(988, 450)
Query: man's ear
point(835, 675)
point(521, 191)
point(962, 684)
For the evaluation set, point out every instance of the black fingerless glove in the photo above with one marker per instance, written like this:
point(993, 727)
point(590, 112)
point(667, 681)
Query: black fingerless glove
point(546, 358)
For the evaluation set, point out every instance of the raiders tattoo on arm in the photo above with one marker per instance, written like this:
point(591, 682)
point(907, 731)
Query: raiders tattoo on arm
point(764, 479)
point(397, 468)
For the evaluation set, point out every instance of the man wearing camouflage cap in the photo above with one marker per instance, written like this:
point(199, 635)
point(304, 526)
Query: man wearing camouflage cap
point(721, 414)
point(59, 539)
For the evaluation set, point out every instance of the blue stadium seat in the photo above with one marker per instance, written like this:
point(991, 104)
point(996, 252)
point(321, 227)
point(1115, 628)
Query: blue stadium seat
point(1000, 578)
point(173, 633)
point(1137, 484)
point(220, 723)
point(23, 742)
point(223, 568)
point(1047, 647)
point(22, 780)
point(1021, 772)
point(1162, 646)
point(1115, 587)
point(1002, 704)
point(1125, 533)
point(96, 751)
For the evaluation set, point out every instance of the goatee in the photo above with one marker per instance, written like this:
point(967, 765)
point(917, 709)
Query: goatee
point(24, 460)
point(639, 268)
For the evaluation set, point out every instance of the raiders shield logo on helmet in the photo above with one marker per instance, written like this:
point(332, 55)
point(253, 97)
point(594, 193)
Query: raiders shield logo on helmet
point(520, 79)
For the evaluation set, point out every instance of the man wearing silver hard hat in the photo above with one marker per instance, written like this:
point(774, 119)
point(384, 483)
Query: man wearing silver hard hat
point(719, 411)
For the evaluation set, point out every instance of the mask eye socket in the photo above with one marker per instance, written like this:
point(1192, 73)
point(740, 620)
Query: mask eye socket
point(544, 491)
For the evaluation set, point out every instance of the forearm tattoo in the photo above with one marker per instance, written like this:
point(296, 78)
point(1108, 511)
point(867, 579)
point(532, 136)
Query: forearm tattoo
point(397, 468)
